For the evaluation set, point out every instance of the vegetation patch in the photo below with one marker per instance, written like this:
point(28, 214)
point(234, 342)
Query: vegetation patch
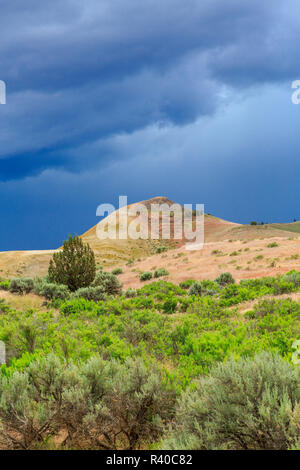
point(146, 276)
point(165, 365)
point(160, 272)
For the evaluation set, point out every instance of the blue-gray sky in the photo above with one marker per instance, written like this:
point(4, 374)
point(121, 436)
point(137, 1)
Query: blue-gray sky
point(191, 100)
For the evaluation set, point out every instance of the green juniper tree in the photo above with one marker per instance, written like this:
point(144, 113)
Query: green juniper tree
point(74, 266)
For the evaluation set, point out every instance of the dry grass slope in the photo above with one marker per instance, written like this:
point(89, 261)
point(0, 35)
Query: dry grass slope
point(240, 249)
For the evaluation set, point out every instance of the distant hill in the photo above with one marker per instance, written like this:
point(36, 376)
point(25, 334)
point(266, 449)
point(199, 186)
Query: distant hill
point(118, 252)
point(291, 227)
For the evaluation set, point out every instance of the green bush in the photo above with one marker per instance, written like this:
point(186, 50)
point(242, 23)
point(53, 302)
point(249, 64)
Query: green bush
point(161, 272)
point(50, 290)
point(293, 277)
point(109, 283)
point(272, 245)
point(195, 289)
point(186, 284)
point(129, 293)
point(21, 285)
point(138, 406)
point(211, 292)
point(262, 309)
point(170, 305)
point(91, 293)
point(224, 279)
point(39, 283)
point(160, 288)
point(117, 271)
point(73, 266)
point(99, 405)
point(161, 249)
point(146, 276)
point(77, 306)
point(245, 404)
point(4, 285)
point(27, 412)
point(210, 286)
point(282, 286)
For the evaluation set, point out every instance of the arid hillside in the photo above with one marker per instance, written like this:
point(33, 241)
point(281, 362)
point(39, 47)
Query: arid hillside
point(244, 258)
point(240, 249)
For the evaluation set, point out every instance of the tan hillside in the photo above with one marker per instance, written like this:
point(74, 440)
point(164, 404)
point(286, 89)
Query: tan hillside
point(113, 251)
point(221, 239)
point(243, 258)
point(24, 263)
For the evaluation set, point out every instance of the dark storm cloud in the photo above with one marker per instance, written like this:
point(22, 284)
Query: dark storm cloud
point(56, 45)
point(80, 72)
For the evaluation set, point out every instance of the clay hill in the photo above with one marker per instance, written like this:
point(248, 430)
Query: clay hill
point(244, 250)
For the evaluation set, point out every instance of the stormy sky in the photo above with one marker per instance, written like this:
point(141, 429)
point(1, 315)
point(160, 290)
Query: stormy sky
point(187, 99)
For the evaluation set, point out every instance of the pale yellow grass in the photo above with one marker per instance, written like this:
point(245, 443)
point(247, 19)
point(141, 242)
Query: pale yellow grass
point(23, 302)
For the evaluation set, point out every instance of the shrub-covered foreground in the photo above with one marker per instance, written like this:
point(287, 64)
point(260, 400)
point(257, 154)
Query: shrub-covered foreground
point(163, 366)
point(100, 404)
point(245, 404)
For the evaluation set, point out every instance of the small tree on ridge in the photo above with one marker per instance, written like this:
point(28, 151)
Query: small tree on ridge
point(74, 266)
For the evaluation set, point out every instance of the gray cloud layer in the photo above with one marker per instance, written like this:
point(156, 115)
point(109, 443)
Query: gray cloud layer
point(78, 73)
